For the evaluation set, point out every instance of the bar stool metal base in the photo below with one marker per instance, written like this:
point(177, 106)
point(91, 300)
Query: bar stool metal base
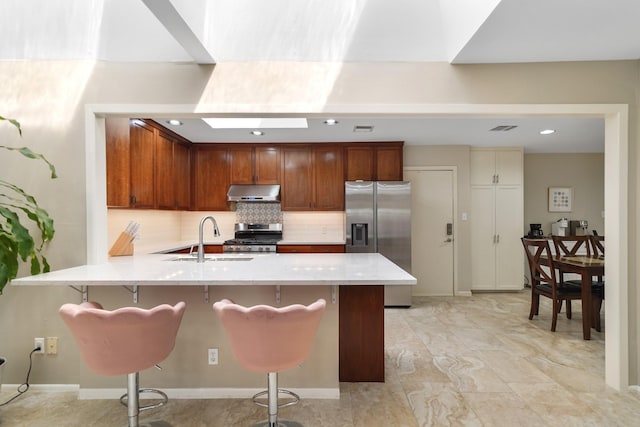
point(272, 403)
point(131, 399)
point(280, 423)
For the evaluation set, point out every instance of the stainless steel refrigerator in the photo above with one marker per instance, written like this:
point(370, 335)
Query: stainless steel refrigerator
point(378, 219)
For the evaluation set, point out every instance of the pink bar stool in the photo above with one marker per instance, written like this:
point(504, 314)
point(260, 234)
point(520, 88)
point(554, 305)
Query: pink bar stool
point(268, 340)
point(125, 341)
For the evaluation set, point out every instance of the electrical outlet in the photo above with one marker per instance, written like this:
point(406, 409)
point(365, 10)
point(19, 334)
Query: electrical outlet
point(323, 229)
point(39, 342)
point(51, 345)
point(212, 356)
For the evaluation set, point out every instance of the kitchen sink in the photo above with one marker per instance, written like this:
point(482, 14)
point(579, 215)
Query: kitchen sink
point(194, 259)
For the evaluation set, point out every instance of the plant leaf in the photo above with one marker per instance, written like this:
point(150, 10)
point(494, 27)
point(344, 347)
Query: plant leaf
point(13, 122)
point(25, 151)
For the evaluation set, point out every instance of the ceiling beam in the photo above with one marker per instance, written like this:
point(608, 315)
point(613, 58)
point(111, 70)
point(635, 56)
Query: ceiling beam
point(167, 14)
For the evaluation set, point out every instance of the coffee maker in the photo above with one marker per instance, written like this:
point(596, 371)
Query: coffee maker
point(535, 231)
point(560, 227)
point(578, 228)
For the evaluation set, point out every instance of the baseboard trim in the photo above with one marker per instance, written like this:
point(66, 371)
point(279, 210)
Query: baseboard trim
point(209, 393)
point(48, 388)
point(464, 294)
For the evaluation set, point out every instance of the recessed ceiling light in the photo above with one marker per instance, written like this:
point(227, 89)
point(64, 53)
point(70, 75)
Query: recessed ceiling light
point(174, 122)
point(257, 133)
point(363, 128)
point(547, 131)
point(330, 122)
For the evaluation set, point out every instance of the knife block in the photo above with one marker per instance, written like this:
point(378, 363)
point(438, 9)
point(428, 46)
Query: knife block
point(122, 245)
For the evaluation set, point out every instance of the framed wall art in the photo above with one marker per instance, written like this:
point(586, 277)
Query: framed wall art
point(560, 199)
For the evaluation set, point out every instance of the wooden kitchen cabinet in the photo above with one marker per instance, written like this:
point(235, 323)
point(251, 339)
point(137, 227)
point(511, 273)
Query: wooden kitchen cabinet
point(361, 333)
point(118, 161)
point(328, 165)
point(173, 171)
point(147, 168)
point(182, 175)
point(297, 179)
point(254, 165)
point(375, 162)
point(211, 178)
point(312, 178)
point(142, 150)
point(267, 165)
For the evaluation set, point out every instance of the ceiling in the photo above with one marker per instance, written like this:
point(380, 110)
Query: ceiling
point(454, 31)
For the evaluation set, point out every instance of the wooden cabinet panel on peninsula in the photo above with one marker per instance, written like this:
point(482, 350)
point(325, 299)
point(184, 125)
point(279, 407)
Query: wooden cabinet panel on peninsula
point(254, 165)
point(375, 162)
point(313, 178)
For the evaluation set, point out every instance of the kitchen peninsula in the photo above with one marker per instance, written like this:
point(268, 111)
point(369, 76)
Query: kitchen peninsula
point(352, 283)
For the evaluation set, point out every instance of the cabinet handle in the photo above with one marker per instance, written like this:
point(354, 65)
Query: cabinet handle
point(493, 179)
point(497, 238)
point(132, 200)
point(497, 180)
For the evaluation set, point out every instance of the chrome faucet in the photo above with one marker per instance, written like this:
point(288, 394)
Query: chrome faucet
point(216, 232)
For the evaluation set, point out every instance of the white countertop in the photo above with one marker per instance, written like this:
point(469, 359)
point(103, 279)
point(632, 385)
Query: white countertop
point(230, 269)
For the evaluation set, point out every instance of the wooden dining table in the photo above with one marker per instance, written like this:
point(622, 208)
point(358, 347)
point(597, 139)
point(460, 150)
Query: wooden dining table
point(586, 267)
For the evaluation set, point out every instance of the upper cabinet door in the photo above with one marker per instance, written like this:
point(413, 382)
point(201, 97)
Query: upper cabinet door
point(496, 166)
point(211, 179)
point(142, 149)
point(329, 178)
point(267, 165)
point(182, 175)
point(360, 162)
point(372, 162)
point(241, 165)
point(297, 184)
point(482, 165)
point(118, 161)
point(509, 167)
point(165, 181)
point(389, 163)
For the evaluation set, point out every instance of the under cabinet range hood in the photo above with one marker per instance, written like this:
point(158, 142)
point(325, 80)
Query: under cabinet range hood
point(253, 193)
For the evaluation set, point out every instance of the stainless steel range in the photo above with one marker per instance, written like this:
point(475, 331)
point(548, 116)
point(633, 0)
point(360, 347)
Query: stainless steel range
point(254, 238)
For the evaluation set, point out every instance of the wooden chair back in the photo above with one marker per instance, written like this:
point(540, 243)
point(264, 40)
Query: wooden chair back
point(535, 249)
point(571, 245)
point(597, 242)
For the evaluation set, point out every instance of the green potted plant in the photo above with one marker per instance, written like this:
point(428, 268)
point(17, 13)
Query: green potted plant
point(19, 211)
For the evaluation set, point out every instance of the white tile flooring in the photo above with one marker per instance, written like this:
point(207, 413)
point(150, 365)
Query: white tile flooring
point(458, 361)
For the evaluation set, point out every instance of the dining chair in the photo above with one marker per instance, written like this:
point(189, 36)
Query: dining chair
point(268, 340)
point(125, 341)
point(571, 246)
point(544, 282)
point(597, 244)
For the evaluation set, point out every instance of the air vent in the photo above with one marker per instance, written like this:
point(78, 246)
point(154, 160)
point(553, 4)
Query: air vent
point(503, 128)
point(363, 128)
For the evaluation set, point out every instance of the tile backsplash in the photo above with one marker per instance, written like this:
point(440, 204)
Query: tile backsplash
point(164, 229)
point(258, 213)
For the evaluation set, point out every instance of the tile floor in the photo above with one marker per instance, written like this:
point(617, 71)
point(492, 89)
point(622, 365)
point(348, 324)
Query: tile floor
point(463, 361)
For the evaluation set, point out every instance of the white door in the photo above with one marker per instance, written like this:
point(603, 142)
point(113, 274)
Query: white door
point(432, 252)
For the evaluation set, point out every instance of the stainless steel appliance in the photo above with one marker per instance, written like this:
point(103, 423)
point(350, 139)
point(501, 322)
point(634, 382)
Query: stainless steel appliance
point(579, 228)
point(378, 219)
point(253, 193)
point(254, 238)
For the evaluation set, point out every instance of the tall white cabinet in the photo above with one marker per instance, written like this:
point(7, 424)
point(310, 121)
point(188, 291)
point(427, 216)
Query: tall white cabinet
point(497, 215)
